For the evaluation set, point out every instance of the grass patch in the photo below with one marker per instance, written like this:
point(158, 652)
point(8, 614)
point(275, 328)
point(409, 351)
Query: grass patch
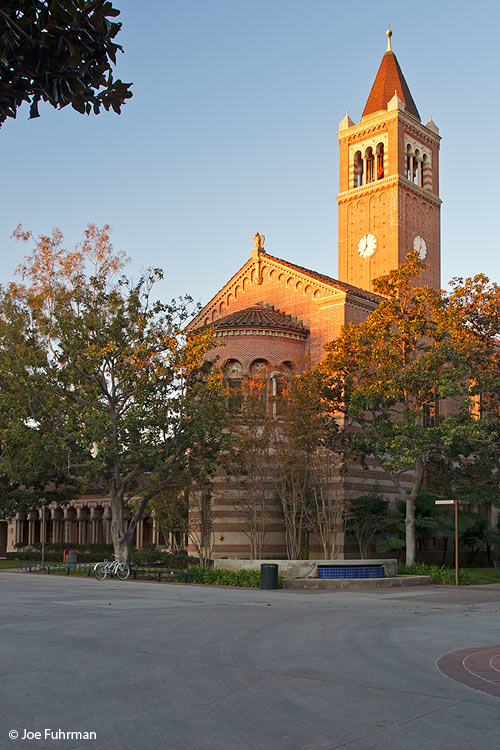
point(480, 576)
point(62, 572)
point(438, 573)
point(445, 575)
point(8, 564)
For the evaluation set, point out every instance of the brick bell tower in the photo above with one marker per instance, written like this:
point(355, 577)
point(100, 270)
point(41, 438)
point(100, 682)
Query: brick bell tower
point(389, 184)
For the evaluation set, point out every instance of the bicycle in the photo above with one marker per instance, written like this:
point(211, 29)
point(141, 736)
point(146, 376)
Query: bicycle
point(113, 568)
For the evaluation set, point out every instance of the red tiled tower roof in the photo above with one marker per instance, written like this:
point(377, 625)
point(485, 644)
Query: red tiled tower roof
point(259, 316)
point(388, 80)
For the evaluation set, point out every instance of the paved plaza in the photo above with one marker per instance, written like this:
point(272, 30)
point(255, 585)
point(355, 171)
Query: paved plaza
point(145, 665)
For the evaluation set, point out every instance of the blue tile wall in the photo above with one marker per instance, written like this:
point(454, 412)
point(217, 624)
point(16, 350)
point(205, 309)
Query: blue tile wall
point(376, 571)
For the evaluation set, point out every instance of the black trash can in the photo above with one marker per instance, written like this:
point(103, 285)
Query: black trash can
point(268, 576)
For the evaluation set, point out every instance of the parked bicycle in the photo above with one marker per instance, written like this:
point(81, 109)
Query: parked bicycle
point(112, 568)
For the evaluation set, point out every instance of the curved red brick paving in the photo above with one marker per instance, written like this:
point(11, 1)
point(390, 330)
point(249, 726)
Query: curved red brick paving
point(478, 668)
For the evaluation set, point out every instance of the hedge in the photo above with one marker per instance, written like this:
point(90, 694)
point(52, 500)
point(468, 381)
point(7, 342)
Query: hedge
point(220, 577)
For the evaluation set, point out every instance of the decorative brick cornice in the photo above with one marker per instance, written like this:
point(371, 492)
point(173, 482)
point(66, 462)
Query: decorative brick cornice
point(380, 122)
point(365, 129)
point(420, 130)
point(420, 191)
point(379, 185)
point(376, 186)
point(262, 332)
point(317, 282)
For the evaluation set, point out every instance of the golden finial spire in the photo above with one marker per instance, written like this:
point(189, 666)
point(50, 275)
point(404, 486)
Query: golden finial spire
point(389, 34)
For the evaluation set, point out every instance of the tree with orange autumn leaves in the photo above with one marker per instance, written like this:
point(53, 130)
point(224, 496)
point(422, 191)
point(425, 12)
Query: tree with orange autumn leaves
point(99, 372)
point(388, 376)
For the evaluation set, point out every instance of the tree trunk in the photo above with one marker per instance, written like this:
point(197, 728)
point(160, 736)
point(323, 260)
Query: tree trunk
point(410, 502)
point(120, 539)
point(364, 548)
point(121, 535)
point(410, 529)
point(445, 549)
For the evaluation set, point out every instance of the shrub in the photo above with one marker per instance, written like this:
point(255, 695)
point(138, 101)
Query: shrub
point(54, 552)
point(438, 573)
point(152, 556)
point(35, 555)
point(220, 577)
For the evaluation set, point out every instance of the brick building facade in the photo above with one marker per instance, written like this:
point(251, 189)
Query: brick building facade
point(273, 314)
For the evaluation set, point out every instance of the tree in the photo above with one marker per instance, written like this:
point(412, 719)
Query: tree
point(324, 504)
point(61, 52)
point(436, 522)
point(108, 375)
point(309, 455)
point(249, 460)
point(33, 455)
point(365, 517)
point(473, 318)
point(170, 512)
point(388, 375)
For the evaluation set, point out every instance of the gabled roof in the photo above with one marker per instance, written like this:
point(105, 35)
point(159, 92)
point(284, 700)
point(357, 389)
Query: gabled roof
point(388, 80)
point(340, 285)
point(328, 281)
point(260, 316)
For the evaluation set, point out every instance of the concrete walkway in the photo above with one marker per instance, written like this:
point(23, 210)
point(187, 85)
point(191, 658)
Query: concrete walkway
point(146, 665)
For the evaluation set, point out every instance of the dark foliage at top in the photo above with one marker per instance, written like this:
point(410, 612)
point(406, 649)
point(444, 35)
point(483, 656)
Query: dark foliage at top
point(61, 52)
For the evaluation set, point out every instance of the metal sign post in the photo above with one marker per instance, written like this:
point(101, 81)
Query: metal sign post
point(456, 543)
point(455, 503)
point(42, 535)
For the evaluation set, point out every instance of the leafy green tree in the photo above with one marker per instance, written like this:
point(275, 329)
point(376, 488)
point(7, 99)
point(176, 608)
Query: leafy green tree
point(170, 514)
point(436, 522)
point(105, 379)
point(61, 52)
point(388, 376)
point(472, 315)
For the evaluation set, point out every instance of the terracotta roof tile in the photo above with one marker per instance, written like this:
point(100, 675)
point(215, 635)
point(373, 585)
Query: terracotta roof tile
point(259, 316)
point(389, 79)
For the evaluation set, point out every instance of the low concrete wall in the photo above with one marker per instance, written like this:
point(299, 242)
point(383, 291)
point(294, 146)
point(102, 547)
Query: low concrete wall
point(356, 583)
point(302, 568)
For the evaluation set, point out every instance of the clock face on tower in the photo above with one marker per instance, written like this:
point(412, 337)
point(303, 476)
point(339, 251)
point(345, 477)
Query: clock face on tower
point(367, 245)
point(420, 246)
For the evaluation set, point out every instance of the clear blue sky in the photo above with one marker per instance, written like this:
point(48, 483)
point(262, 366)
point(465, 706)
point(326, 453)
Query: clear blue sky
point(232, 130)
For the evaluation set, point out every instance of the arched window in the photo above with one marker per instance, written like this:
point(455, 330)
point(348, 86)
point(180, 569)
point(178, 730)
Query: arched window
point(259, 384)
point(426, 172)
point(409, 162)
point(418, 167)
point(380, 161)
point(417, 171)
point(281, 381)
point(358, 169)
point(430, 410)
point(233, 372)
point(370, 165)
